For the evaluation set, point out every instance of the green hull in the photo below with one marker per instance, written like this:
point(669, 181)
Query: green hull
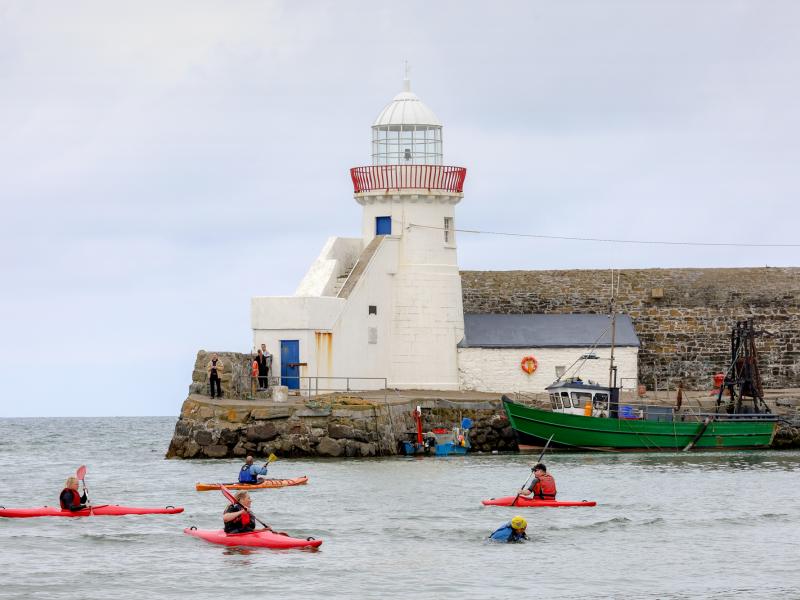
point(534, 426)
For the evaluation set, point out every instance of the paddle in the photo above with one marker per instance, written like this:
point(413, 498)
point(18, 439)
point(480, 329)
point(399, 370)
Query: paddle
point(232, 500)
point(81, 474)
point(538, 460)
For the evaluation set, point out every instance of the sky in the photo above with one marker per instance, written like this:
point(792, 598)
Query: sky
point(163, 162)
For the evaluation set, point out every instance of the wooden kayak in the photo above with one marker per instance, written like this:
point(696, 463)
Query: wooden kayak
point(261, 538)
point(534, 502)
point(266, 484)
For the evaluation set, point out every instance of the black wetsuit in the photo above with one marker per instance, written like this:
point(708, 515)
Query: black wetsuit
point(67, 500)
point(236, 526)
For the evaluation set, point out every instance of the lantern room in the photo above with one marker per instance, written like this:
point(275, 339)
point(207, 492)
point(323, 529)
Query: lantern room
point(406, 132)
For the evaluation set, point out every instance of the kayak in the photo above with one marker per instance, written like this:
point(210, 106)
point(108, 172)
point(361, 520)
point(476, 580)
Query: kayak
point(261, 538)
point(534, 503)
point(103, 510)
point(267, 483)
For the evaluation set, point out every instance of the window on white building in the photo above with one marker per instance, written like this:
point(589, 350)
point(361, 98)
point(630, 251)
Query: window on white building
point(449, 234)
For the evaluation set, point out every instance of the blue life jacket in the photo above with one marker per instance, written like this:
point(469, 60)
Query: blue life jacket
point(245, 476)
point(506, 533)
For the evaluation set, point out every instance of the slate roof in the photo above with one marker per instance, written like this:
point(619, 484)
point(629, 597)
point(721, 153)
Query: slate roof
point(545, 331)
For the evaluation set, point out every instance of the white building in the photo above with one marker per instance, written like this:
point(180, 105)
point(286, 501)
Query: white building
point(387, 305)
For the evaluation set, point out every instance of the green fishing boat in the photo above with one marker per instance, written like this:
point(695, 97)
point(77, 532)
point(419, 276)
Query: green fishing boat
point(588, 416)
point(654, 430)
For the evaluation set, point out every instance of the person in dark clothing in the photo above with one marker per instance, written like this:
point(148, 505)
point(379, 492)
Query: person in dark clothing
point(267, 364)
point(70, 499)
point(261, 359)
point(214, 369)
point(236, 517)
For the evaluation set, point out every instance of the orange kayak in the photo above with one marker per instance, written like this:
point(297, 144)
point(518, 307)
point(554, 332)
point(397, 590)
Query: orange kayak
point(267, 483)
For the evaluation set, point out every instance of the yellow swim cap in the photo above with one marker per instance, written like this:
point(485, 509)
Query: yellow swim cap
point(519, 523)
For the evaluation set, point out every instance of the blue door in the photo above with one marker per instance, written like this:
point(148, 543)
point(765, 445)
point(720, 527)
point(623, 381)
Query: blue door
point(383, 225)
point(290, 364)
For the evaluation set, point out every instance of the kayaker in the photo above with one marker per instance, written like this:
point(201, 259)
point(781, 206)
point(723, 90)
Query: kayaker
point(513, 531)
point(250, 473)
point(70, 499)
point(543, 485)
point(236, 517)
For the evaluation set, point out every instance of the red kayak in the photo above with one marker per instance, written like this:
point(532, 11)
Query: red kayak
point(260, 538)
point(533, 503)
point(104, 510)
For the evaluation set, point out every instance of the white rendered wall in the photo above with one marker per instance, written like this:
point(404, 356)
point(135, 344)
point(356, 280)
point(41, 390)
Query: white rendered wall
point(498, 369)
point(353, 354)
point(336, 258)
point(293, 318)
point(334, 332)
point(428, 318)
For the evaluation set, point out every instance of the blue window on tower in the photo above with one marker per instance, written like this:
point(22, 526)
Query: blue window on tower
point(383, 225)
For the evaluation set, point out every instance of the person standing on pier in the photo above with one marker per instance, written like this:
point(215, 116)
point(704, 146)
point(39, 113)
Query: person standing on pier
point(267, 365)
point(261, 359)
point(214, 369)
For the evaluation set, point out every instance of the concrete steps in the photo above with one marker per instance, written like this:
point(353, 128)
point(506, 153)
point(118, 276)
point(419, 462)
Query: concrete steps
point(358, 269)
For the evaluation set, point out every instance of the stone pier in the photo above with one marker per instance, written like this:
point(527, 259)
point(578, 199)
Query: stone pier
point(333, 426)
point(351, 424)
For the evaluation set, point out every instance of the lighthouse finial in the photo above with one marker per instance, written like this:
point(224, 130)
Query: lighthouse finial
point(407, 78)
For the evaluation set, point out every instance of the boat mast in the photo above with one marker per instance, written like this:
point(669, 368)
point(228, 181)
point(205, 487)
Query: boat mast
point(611, 369)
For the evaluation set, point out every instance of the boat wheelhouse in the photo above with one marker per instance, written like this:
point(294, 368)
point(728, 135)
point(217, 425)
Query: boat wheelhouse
point(577, 397)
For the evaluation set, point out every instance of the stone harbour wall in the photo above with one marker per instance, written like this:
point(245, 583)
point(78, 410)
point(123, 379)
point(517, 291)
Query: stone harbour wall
point(683, 317)
point(344, 427)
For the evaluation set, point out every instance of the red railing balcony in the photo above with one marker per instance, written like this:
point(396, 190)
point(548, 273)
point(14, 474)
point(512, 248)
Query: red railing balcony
point(398, 177)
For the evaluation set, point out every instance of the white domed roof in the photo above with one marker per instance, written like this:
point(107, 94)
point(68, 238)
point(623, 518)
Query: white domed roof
point(407, 109)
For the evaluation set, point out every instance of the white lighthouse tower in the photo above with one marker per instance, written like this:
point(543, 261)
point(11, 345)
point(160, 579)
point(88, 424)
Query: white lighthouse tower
point(386, 305)
point(410, 197)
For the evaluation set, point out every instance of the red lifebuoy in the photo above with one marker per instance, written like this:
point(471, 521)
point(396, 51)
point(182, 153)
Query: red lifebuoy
point(529, 364)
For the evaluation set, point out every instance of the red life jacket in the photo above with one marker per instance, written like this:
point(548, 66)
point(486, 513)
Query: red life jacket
point(76, 498)
point(545, 488)
point(241, 523)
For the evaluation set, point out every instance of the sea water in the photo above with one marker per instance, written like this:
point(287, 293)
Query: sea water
point(671, 525)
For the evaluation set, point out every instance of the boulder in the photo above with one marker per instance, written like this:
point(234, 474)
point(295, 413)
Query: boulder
point(329, 447)
point(301, 443)
point(339, 432)
point(229, 437)
point(216, 451)
point(182, 428)
point(203, 437)
point(360, 435)
point(191, 449)
point(263, 432)
point(267, 448)
point(369, 449)
point(239, 450)
point(352, 448)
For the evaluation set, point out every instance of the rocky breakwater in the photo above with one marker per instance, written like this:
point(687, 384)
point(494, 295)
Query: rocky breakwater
point(787, 436)
point(336, 427)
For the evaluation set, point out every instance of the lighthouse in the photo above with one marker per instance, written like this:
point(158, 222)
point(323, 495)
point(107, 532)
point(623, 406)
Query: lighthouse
point(384, 309)
point(409, 196)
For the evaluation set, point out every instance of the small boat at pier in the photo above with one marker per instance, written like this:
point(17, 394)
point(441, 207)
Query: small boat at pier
point(438, 442)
